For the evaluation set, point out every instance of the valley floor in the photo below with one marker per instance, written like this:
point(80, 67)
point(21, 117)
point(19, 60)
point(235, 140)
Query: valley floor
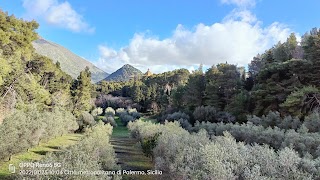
point(129, 152)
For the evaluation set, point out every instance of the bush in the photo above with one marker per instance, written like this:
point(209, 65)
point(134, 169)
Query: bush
point(97, 111)
point(177, 115)
point(181, 155)
point(120, 111)
point(303, 142)
point(185, 124)
point(109, 112)
point(134, 113)
point(84, 120)
point(312, 122)
point(273, 119)
point(110, 120)
point(125, 119)
point(24, 129)
point(205, 113)
point(225, 117)
point(92, 153)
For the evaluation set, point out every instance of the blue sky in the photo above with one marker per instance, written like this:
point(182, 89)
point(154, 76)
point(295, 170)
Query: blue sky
point(165, 34)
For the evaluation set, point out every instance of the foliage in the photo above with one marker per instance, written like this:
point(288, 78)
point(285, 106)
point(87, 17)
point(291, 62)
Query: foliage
point(26, 77)
point(303, 142)
point(312, 122)
point(222, 83)
point(92, 153)
point(85, 120)
point(109, 111)
point(120, 111)
point(81, 91)
point(176, 116)
point(126, 118)
point(205, 113)
point(105, 101)
point(110, 120)
point(273, 119)
point(24, 129)
point(134, 113)
point(181, 155)
point(97, 111)
point(194, 90)
point(303, 101)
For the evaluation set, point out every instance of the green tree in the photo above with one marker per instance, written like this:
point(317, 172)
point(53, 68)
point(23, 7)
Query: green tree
point(239, 106)
point(311, 46)
point(303, 101)
point(280, 52)
point(82, 92)
point(137, 92)
point(194, 90)
point(222, 82)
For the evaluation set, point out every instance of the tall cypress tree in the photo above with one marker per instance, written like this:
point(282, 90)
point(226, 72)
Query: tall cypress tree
point(222, 83)
point(82, 92)
point(194, 90)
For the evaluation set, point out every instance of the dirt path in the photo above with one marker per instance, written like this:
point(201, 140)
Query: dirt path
point(129, 152)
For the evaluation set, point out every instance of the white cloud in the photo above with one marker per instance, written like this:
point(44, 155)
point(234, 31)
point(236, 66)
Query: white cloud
point(240, 3)
point(57, 14)
point(236, 39)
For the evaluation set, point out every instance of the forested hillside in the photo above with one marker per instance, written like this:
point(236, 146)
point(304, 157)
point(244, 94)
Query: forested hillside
point(39, 102)
point(285, 79)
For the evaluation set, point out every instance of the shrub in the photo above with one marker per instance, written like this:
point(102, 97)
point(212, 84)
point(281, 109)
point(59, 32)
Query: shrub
point(109, 112)
point(176, 116)
point(97, 111)
point(134, 113)
point(303, 142)
point(125, 119)
point(185, 124)
point(273, 119)
point(110, 120)
point(24, 129)
point(84, 120)
point(225, 117)
point(181, 155)
point(312, 122)
point(164, 114)
point(205, 113)
point(120, 111)
point(92, 153)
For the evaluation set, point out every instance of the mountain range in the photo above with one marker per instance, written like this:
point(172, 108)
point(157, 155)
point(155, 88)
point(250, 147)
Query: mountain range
point(70, 63)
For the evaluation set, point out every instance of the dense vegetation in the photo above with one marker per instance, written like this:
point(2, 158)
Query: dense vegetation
point(285, 79)
point(271, 111)
point(38, 102)
point(181, 155)
point(92, 154)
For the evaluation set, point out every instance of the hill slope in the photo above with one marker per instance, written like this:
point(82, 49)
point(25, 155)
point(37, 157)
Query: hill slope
point(124, 73)
point(70, 63)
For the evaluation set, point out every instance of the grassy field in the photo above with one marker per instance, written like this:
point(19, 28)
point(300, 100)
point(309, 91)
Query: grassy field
point(129, 152)
point(120, 130)
point(38, 152)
